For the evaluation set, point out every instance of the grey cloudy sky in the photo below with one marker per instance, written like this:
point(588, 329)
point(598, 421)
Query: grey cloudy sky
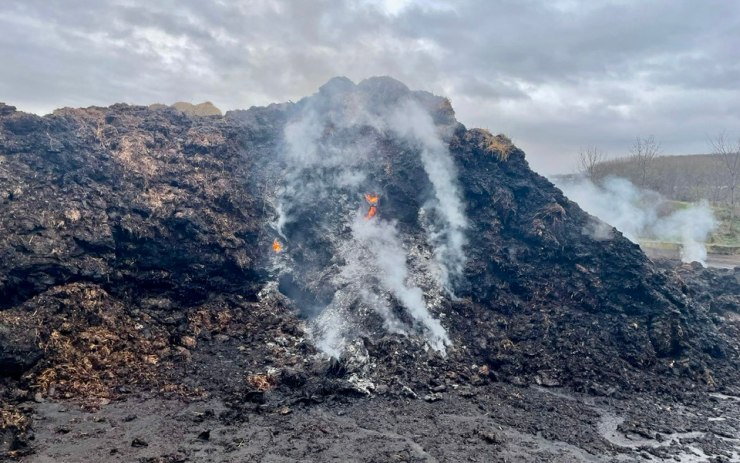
point(555, 75)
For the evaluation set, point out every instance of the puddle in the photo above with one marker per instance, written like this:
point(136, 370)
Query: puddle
point(607, 428)
point(718, 395)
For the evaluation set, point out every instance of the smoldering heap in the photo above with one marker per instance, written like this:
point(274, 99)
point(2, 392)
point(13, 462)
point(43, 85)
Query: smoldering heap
point(333, 153)
point(140, 247)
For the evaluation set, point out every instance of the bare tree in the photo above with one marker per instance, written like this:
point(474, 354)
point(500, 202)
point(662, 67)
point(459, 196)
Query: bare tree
point(728, 154)
point(643, 152)
point(589, 160)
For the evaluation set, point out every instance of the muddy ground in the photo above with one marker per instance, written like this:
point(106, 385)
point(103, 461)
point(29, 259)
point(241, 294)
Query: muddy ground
point(496, 423)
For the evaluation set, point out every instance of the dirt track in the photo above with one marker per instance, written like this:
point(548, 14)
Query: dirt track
point(723, 261)
point(713, 260)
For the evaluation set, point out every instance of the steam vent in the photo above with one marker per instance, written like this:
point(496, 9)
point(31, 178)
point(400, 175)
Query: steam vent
point(353, 277)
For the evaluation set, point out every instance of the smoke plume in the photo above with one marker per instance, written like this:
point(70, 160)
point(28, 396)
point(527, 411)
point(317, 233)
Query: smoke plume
point(410, 121)
point(353, 274)
point(643, 214)
point(388, 262)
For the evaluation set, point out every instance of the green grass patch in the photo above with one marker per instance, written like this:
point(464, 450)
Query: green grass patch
point(664, 245)
point(726, 235)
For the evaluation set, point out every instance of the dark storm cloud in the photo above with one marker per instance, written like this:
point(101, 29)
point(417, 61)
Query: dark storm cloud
point(554, 75)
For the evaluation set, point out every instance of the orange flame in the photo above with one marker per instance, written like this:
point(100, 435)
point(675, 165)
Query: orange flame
point(372, 199)
point(276, 246)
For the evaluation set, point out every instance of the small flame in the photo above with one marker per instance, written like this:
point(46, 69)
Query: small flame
point(276, 246)
point(372, 199)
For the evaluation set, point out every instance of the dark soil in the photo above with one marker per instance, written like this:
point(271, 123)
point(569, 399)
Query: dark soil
point(140, 319)
point(491, 424)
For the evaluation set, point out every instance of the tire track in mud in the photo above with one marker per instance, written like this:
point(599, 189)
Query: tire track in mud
point(608, 427)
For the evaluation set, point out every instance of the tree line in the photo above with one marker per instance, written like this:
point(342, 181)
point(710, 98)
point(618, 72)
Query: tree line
point(713, 176)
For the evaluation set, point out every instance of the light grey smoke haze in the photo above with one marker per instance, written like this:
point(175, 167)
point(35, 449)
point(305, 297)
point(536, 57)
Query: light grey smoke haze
point(330, 152)
point(389, 264)
point(334, 327)
point(637, 214)
point(691, 227)
point(413, 123)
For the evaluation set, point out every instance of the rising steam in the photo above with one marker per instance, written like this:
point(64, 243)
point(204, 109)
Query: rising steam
point(640, 214)
point(355, 264)
point(448, 233)
point(388, 262)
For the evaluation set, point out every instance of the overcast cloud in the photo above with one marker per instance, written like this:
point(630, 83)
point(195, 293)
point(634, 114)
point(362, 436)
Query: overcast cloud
point(553, 75)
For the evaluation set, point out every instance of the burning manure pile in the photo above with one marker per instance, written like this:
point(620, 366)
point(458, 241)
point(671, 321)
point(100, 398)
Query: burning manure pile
point(356, 263)
point(401, 230)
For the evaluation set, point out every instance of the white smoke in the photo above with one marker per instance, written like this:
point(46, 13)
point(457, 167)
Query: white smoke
point(691, 227)
point(641, 214)
point(448, 237)
point(327, 165)
point(327, 160)
point(336, 325)
point(388, 263)
point(374, 257)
